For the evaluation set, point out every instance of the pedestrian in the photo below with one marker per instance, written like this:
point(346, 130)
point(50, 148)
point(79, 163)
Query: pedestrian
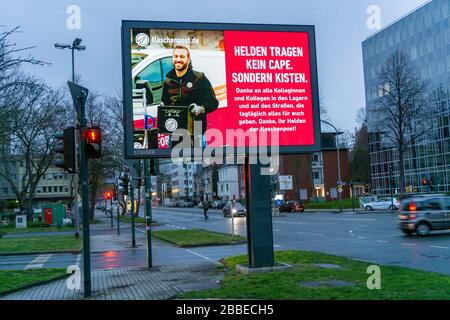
point(205, 210)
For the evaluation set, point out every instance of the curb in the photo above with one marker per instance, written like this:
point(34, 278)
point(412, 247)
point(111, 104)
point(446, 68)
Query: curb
point(34, 285)
point(39, 252)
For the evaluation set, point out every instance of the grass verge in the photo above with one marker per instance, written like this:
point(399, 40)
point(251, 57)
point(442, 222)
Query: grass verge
point(12, 280)
point(397, 283)
point(140, 220)
point(40, 244)
point(11, 228)
point(197, 237)
point(346, 204)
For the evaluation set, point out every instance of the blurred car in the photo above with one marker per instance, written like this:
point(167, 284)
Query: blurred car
point(236, 209)
point(219, 204)
point(382, 203)
point(292, 206)
point(188, 204)
point(422, 214)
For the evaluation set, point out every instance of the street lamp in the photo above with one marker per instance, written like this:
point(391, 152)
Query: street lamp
point(75, 46)
point(338, 160)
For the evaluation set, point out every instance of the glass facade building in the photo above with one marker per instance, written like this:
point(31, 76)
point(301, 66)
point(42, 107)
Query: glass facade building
point(424, 35)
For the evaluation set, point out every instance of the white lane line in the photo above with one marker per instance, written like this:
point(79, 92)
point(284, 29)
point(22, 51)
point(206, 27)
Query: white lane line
point(362, 237)
point(202, 256)
point(382, 241)
point(439, 247)
point(408, 244)
point(276, 246)
point(78, 260)
point(311, 234)
point(38, 262)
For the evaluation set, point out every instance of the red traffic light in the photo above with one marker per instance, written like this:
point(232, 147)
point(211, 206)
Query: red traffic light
point(108, 195)
point(93, 135)
point(424, 182)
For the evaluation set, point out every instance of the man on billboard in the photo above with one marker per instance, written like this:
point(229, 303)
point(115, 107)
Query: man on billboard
point(184, 86)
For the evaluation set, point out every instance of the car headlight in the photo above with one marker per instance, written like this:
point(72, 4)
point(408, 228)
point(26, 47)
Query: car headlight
point(234, 211)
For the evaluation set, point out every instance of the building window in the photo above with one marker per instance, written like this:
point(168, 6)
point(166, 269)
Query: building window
point(44, 189)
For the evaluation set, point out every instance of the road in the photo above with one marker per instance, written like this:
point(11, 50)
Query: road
point(371, 237)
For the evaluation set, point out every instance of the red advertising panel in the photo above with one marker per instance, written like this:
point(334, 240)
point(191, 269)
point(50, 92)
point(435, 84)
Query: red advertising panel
point(225, 85)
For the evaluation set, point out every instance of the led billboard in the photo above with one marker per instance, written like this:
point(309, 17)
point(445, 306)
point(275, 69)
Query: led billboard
point(236, 85)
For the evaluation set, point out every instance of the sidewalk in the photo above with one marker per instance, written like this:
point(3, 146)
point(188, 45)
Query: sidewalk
point(131, 283)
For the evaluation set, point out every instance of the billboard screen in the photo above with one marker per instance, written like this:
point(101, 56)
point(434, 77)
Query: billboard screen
point(233, 85)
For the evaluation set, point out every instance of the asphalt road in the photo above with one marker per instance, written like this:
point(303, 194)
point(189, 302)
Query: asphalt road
point(371, 237)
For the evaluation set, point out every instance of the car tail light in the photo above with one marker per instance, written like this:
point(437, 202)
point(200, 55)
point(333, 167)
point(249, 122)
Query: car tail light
point(412, 207)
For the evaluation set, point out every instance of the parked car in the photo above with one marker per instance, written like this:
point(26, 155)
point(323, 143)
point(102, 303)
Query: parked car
point(188, 204)
point(219, 204)
point(382, 203)
point(292, 206)
point(236, 210)
point(422, 214)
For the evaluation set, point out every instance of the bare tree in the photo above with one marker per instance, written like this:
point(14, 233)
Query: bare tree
point(400, 106)
point(359, 155)
point(27, 137)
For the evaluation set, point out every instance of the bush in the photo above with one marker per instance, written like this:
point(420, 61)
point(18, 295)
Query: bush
point(3, 205)
point(13, 204)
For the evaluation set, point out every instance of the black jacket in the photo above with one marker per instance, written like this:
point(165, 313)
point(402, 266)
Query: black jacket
point(193, 87)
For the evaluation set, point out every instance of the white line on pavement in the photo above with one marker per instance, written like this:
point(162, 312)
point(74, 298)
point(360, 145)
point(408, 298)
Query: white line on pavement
point(276, 246)
point(362, 237)
point(202, 256)
point(39, 261)
point(439, 247)
point(408, 244)
point(382, 241)
point(311, 234)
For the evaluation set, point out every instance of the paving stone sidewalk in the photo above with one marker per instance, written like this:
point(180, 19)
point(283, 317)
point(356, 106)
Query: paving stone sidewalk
point(132, 283)
point(159, 283)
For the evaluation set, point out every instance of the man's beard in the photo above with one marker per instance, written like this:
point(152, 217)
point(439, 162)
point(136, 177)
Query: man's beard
point(184, 67)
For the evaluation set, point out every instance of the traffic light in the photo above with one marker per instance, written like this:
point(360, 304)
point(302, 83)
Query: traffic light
point(108, 195)
point(66, 147)
point(124, 180)
point(93, 136)
point(425, 182)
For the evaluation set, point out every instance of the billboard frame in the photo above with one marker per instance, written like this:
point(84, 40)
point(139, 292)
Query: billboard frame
point(128, 25)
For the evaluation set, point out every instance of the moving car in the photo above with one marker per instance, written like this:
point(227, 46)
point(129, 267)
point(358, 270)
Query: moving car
point(236, 209)
point(382, 203)
point(292, 206)
point(422, 214)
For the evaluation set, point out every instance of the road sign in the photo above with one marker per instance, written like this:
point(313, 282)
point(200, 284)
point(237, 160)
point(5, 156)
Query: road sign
point(340, 190)
point(285, 182)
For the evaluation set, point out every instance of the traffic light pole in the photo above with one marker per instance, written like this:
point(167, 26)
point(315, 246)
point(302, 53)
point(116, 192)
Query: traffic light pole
point(118, 218)
point(112, 224)
point(148, 212)
point(133, 235)
point(85, 200)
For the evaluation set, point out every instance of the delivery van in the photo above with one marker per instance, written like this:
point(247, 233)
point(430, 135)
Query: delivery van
point(149, 73)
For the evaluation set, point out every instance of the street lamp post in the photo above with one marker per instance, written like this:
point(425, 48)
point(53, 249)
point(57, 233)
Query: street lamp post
point(338, 160)
point(74, 46)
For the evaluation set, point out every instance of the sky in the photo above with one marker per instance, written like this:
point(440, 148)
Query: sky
point(341, 26)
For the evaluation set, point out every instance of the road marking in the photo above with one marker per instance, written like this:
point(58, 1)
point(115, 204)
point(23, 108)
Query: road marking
point(78, 260)
point(39, 261)
point(311, 234)
point(202, 256)
point(276, 246)
point(362, 237)
point(382, 241)
point(408, 244)
point(439, 247)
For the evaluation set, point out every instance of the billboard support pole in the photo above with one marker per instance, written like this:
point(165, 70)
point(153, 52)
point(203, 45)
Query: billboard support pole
point(133, 237)
point(259, 217)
